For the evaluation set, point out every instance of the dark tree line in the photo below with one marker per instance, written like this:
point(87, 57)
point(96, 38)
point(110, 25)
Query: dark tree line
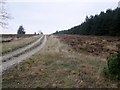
point(106, 23)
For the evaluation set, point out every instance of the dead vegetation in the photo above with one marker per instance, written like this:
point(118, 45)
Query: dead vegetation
point(58, 65)
point(12, 37)
point(103, 46)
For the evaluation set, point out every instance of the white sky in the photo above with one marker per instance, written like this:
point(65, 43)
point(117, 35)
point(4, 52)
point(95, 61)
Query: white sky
point(51, 15)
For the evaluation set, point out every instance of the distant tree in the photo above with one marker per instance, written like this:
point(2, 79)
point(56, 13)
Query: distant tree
point(35, 33)
point(41, 32)
point(56, 32)
point(21, 30)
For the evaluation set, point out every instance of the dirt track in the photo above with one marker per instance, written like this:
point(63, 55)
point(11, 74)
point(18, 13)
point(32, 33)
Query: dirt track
point(20, 50)
point(58, 65)
point(16, 60)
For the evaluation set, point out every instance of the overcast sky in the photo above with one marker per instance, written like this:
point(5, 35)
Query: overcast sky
point(51, 15)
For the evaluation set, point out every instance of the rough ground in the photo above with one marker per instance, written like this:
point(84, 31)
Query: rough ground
point(58, 65)
point(103, 46)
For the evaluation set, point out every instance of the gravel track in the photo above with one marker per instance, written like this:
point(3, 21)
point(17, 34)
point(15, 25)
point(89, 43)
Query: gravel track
point(25, 56)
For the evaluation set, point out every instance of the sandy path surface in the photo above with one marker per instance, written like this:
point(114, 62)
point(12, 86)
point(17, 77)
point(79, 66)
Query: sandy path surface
point(20, 50)
point(17, 60)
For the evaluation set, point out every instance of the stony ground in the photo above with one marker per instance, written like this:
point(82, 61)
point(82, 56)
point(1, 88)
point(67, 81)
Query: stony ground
point(58, 65)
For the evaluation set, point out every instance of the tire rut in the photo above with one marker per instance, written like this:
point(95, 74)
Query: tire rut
point(23, 57)
point(20, 50)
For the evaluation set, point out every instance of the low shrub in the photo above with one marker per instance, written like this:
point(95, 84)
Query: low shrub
point(112, 70)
